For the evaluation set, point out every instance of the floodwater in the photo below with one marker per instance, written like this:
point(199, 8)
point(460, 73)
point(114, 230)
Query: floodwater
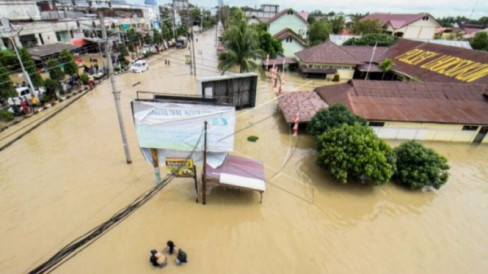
point(69, 175)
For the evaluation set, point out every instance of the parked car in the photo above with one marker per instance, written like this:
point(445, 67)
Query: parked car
point(139, 66)
point(181, 42)
point(24, 92)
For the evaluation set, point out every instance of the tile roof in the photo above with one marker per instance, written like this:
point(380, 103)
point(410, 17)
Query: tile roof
point(396, 20)
point(364, 53)
point(424, 74)
point(411, 102)
point(283, 12)
point(286, 32)
point(305, 103)
point(327, 53)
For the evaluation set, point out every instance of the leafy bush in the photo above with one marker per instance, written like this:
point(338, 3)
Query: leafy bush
point(84, 78)
point(379, 39)
point(252, 138)
point(355, 151)
point(6, 115)
point(418, 166)
point(148, 53)
point(331, 117)
point(51, 84)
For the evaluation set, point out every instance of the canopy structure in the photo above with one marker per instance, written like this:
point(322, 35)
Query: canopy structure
point(238, 172)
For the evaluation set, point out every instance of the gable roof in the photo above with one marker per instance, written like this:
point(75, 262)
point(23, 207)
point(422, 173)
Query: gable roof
point(285, 33)
point(305, 103)
point(411, 101)
point(396, 20)
point(328, 53)
point(364, 53)
point(426, 69)
point(283, 12)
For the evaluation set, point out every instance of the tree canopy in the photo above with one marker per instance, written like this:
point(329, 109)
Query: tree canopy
point(331, 117)
point(6, 87)
point(480, 41)
point(30, 67)
point(367, 26)
point(382, 40)
point(355, 152)
point(55, 71)
point(70, 66)
point(241, 43)
point(319, 32)
point(418, 166)
point(386, 66)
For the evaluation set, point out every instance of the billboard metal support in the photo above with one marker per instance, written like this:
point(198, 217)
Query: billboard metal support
point(204, 180)
point(155, 162)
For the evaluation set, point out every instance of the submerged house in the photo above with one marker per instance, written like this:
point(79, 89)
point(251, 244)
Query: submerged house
point(409, 26)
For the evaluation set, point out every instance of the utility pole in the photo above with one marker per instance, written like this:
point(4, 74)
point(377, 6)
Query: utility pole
point(114, 88)
point(8, 27)
point(190, 23)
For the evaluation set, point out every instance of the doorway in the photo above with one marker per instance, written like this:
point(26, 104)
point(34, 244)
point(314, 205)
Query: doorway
point(481, 135)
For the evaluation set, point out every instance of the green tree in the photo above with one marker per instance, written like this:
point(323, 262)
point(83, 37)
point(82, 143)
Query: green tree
point(167, 30)
point(9, 59)
point(418, 166)
point(355, 152)
point(367, 26)
point(241, 43)
point(333, 116)
point(480, 41)
point(148, 40)
point(269, 45)
point(196, 16)
point(6, 87)
point(70, 66)
point(123, 50)
point(157, 37)
point(314, 16)
point(30, 67)
point(371, 39)
point(319, 32)
point(338, 22)
point(182, 30)
point(54, 69)
point(386, 66)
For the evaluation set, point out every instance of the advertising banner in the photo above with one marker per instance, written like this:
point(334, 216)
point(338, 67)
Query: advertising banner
point(180, 167)
point(180, 127)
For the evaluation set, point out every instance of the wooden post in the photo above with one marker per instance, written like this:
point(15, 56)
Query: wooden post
point(204, 180)
point(155, 161)
point(196, 181)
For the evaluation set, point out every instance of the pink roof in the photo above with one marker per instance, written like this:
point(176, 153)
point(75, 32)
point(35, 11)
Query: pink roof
point(305, 103)
point(239, 166)
point(304, 15)
point(396, 20)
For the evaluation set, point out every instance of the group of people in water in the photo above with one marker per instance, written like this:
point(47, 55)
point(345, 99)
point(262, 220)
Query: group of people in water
point(159, 259)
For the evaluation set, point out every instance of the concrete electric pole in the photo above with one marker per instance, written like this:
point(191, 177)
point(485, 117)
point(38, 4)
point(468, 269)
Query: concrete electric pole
point(114, 87)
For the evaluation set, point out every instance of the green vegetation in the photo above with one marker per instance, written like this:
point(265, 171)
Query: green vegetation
point(480, 41)
point(418, 166)
point(367, 26)
point(355, 152)
point(30, 67)
point(6, 87)
point(252, 138)
point(241, 45)
point(334, 116)
point(383, 40)
point(54, 69)
point(84, 78)
point(6, 116)
point(386, 66)
point(267, 43)
point(70, 66)
point(319, 32)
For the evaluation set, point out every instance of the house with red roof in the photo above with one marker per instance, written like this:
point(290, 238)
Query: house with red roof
point(409, 26)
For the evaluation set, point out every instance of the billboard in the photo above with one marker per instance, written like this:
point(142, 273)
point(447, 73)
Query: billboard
point(180, 126)
point(180, 167)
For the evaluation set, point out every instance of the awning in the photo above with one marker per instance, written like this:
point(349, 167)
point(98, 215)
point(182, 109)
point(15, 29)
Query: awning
point(372, 68)
point(239, 172)
point(79, 42)
point(39, 52)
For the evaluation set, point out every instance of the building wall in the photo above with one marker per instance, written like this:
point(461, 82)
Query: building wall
point(289, 48)
point(420, 29)
point(427, 132)
point(19, 10)
point(291, 21)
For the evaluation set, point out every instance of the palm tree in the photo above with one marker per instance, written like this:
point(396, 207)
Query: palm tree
point(241, 43)
point(386, 66)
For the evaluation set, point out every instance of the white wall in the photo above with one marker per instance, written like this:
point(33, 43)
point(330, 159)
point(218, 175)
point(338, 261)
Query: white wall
point(19, 10)
point(291, 21)
point(420, 29)
point(289, 48)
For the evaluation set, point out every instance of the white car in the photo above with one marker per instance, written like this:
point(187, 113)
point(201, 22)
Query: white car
point(24, 92)
point(139, 66)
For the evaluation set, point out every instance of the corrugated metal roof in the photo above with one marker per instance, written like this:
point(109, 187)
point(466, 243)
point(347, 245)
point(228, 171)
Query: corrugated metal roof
point(410, 101)
point(396, 20)
point(285, 33)
point(327, 53)
point(305, 103)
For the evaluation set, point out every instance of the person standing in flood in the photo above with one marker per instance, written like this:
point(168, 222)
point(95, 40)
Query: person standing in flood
point(158, 259)
point(24, 106)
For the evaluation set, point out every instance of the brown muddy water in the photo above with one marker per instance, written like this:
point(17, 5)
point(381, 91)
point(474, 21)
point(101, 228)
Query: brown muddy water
point(69, 175)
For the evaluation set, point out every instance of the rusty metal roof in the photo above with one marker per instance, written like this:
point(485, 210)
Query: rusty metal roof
point(327, 53)
point(411, 102)
point(305, 103)
point(287, 32)
point(404, 46)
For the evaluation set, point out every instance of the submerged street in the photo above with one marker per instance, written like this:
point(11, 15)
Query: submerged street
point(69, 175)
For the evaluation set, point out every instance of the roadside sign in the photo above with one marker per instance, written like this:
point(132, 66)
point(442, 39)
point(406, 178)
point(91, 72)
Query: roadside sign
point(180, 167)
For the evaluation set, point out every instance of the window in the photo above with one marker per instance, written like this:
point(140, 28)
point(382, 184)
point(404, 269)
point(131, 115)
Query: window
point(473, 128)
point(376, 124)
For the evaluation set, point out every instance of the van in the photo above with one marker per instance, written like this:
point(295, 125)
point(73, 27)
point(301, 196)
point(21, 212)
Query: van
point(139, 66)
point(24, 92)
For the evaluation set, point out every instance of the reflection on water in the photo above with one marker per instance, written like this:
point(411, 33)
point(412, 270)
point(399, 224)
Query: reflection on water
point(69, 175)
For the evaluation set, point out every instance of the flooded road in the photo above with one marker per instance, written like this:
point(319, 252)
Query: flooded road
point(69, 175)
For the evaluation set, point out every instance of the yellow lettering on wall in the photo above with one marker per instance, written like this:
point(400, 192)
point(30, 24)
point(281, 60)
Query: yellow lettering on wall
point(460, 63)
point(416, 56)
point(474, 76)
point(456, 71)
point(422, 57)
point(441, 60)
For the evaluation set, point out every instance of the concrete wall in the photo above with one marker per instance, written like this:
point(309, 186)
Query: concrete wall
point(420, 29)
point(291, 21)
point(19, 10)
point(427, 131)
point(289, 48)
